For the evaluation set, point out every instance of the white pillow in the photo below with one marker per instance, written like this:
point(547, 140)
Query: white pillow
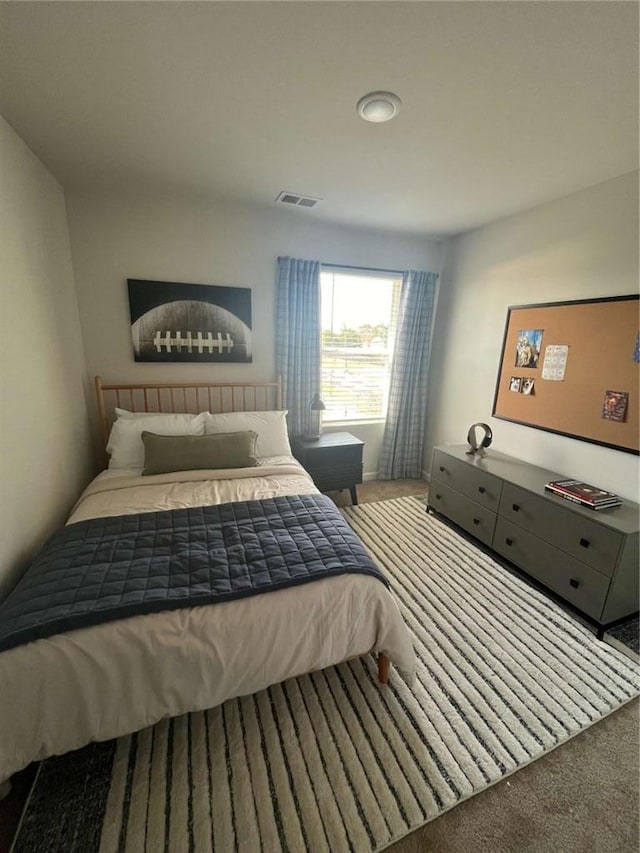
point(125, 441)
point(273, 438)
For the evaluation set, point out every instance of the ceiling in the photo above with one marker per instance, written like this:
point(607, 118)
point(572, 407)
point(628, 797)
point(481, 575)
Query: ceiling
point(505, 104)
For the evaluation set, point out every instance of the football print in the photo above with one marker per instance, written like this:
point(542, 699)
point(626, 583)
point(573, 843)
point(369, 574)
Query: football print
point(189, 322)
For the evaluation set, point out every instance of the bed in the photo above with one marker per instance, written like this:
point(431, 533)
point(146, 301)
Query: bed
point(99, 681)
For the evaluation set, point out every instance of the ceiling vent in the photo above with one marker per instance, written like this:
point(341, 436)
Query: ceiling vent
point(298, 200)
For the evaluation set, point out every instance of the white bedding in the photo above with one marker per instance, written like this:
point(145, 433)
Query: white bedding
point(60, 693)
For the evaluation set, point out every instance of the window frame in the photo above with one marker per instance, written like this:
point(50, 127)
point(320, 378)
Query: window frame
point(395, 278)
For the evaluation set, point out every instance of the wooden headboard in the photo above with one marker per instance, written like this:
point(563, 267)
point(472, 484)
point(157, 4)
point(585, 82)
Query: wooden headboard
point(185, 397)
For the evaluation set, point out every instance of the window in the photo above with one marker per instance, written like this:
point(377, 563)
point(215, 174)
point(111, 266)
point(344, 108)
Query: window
point(358, 328)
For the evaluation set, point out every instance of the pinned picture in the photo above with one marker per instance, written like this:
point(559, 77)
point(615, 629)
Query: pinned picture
point(636, 352)
point(528, 347)
point(515, 384)
point(614, 406)
point(555, 362)
point(528, 385)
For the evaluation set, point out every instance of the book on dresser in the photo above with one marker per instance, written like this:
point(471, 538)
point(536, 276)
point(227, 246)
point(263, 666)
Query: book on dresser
point(584, 494)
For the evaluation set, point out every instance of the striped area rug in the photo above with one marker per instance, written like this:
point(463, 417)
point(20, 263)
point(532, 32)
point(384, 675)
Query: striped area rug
point(332, 762)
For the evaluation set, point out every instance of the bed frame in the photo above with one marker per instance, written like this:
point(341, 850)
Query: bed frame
point(194, 397)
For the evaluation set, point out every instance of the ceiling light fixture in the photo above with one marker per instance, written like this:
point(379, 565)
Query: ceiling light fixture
point(379, 106)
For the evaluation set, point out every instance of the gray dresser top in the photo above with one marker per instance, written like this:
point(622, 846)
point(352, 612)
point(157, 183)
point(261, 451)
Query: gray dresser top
point(624, 518)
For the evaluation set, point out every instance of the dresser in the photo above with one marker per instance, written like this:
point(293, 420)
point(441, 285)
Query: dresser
point(587, 557)
point(334, 460)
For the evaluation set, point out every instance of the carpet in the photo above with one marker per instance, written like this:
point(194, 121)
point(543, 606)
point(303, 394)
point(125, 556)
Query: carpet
point(331, 761)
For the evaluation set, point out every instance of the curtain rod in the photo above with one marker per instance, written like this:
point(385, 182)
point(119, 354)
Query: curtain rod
point(364, 269)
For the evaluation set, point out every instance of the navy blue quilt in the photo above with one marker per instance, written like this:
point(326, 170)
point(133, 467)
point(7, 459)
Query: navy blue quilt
point(112, 568)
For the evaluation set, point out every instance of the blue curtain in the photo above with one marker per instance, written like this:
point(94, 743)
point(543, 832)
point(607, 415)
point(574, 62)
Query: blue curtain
point(298, 338)
point(402, 444)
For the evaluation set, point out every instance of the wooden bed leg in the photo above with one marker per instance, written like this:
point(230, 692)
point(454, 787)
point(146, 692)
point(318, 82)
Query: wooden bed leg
point(384, 665)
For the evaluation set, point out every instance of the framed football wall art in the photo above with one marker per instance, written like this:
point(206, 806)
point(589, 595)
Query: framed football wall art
point(171, 321)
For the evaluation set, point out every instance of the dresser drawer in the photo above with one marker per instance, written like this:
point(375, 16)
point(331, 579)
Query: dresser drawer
point(464, 477)
point(568, 530)
point(576, 582)
point(478, 520)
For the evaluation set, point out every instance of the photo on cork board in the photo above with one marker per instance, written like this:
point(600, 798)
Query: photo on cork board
point(614, 406)
point(515, 384)
point(528, 386)
point(528, 347)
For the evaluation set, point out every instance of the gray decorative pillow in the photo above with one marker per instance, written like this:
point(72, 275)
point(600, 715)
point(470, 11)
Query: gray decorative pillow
point(164, 454)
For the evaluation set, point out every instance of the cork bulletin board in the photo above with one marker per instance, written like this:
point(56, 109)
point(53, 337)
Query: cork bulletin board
point(573, 368)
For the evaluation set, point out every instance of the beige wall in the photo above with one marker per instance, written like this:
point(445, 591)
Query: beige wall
point(578, 247)
point(173, 239)
point(44, 436)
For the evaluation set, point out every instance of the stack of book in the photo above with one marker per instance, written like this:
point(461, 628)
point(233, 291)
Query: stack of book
point(584, 494)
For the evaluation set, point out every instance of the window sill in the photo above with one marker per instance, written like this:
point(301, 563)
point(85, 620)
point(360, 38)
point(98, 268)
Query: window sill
point(352, 422)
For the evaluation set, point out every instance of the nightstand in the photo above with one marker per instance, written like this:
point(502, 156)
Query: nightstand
point(334, 460)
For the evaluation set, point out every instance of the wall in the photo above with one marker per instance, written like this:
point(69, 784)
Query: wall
point(168, 238)
point(44, 432)
point(578, 247)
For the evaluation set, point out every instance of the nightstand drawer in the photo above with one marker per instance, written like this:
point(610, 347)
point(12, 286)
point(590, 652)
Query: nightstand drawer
point(330, 479)
point(576, 582)
point(465, 477)
point(318, 458)
point(567, 529)
point(334, 461)
point(468, 514)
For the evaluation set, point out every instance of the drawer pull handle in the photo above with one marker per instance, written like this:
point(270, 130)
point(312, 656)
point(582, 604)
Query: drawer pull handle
point(438, 497)
point(442, 468)
point(574, 583)
point(585, 543)
point(476, 521)
point(515, 507)
point(481, 489)
point(509, 542)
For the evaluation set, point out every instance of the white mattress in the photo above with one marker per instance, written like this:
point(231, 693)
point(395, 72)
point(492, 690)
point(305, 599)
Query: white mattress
point(60, 693)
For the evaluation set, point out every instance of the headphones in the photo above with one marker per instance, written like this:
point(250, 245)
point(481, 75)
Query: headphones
point(472, 439)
